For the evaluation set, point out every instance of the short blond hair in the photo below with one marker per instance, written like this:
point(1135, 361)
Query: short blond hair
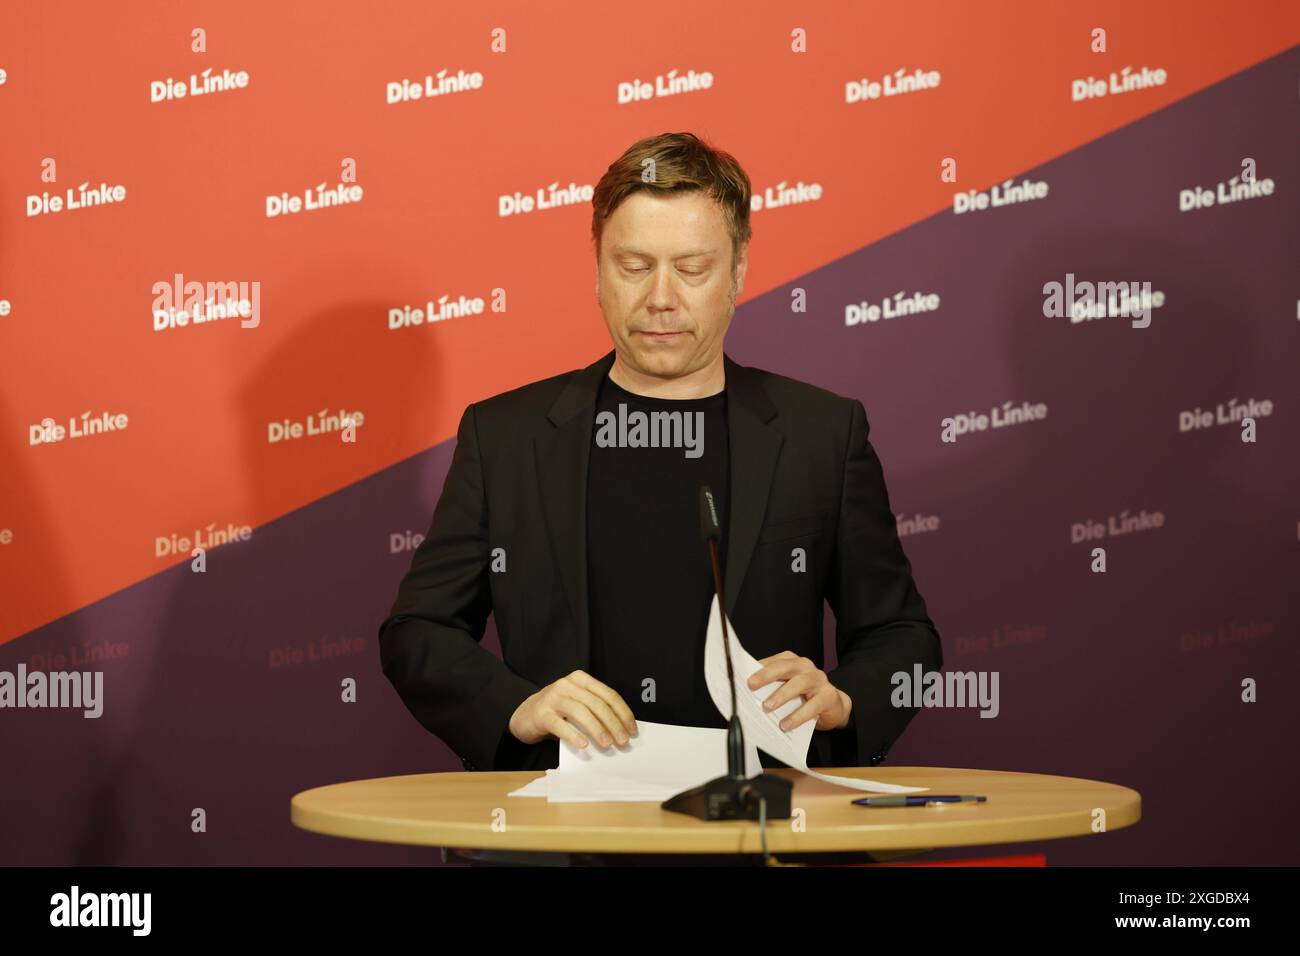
point(681, 162)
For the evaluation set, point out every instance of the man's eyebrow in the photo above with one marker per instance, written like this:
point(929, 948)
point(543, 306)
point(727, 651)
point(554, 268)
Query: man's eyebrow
point(693, 254)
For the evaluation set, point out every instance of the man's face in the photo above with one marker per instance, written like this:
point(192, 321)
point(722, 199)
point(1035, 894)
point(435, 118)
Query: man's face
point(665, 282)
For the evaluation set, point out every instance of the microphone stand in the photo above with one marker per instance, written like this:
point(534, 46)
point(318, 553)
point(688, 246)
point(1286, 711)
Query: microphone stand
point(733, 797)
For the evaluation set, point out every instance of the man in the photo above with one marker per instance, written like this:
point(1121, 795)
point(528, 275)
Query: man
point(582, 536)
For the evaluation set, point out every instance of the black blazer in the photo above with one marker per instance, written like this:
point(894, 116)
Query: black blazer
point(803, 475)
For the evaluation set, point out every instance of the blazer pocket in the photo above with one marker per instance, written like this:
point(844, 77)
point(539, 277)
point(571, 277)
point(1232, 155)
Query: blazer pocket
point(797, 527)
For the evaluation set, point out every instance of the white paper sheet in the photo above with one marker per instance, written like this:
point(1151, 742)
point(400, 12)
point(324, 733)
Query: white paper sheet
point(665, 759)
point(762, 728)
point(661, 761)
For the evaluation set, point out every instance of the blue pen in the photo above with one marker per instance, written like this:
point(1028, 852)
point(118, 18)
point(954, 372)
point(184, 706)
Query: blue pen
point(918, 801)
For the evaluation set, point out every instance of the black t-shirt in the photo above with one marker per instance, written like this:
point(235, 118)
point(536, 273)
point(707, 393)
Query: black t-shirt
point(650, 582)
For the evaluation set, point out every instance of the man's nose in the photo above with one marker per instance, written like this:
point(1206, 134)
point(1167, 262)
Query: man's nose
point(663, 294)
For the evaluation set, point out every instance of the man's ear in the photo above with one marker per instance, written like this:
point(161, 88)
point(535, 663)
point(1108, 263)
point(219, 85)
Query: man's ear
point(742, 264)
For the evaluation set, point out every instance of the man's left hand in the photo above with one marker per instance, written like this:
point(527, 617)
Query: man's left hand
point(821, 699)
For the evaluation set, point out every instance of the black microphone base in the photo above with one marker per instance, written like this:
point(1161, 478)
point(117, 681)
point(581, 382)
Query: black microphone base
point(734, 798)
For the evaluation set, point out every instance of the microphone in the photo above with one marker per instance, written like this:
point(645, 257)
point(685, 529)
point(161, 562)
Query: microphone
point(711, 530)
point(735, 796)
point(709, 525)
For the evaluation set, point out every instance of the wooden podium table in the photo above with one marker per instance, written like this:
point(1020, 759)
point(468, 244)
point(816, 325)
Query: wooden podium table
point(469, 814)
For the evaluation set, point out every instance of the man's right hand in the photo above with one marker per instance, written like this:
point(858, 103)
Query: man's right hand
point(578, 699)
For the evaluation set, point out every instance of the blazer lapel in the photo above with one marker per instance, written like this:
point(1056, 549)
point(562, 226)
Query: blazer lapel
point(755, 447)
point(563, 455)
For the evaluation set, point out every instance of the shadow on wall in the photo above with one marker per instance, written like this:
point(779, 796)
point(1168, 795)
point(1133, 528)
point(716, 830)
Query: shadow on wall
point(1113, 690)
point(241, 705)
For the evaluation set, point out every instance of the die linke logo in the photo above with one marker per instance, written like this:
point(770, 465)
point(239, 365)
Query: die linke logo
point(178, 304)
point(671, 83)
point(321, 423)
point(916, 524)
point(314, 650)
point(999, 638)
point(199, 84)
point(783, 194)
point(434, 84)
point(1236, 189)
point(969, 422)
point(165, 546)
point(1007, 194)
point(408, 540)
point(1126, 80)
point(311, 200)
point(76, 655)
point(1225, 635)
point(75, 197)
point(895, 84)
point(859, 313)
point(1085, 301)
point(1224, 413)
point(1116, 525)
point(546, 197)
point(434, 311)
point(49, 432)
